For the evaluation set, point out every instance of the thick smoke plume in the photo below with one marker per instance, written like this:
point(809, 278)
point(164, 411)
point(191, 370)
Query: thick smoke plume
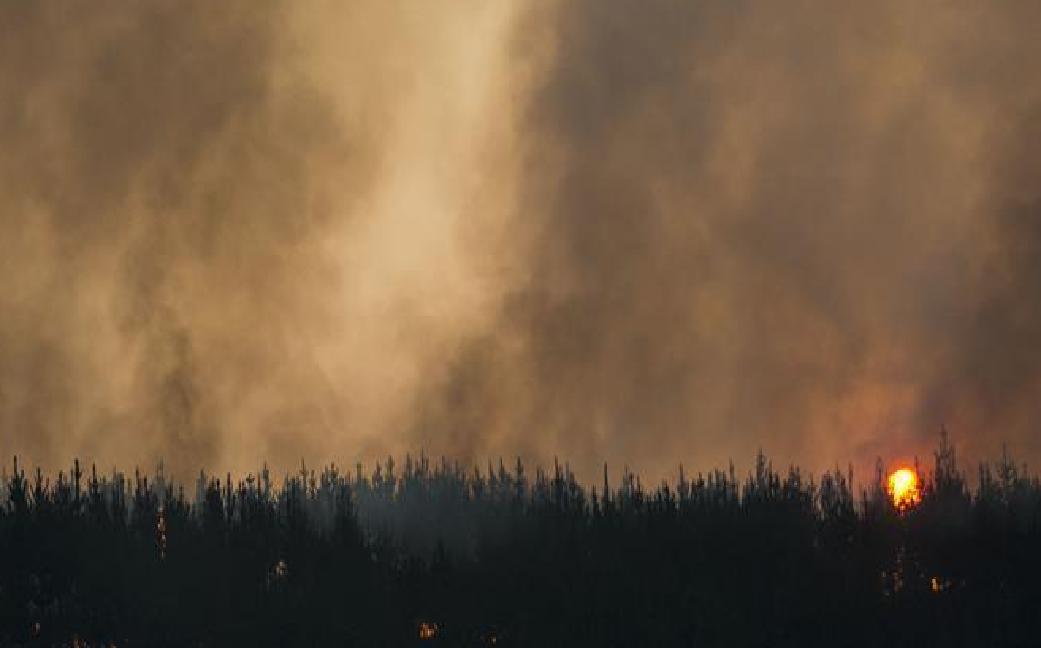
point(633, 232)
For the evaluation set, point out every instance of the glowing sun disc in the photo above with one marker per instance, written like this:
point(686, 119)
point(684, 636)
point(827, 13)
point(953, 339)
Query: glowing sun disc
point(904, 488)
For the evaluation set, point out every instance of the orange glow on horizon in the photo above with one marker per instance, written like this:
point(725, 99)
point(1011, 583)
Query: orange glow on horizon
point(904, 488)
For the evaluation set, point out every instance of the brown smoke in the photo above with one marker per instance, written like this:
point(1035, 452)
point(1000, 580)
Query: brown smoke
point(634, 232)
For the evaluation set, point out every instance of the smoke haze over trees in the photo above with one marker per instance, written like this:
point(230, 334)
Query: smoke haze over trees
point(613, 231)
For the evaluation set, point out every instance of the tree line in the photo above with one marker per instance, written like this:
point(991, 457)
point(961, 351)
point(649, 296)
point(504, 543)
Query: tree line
point(434, 553)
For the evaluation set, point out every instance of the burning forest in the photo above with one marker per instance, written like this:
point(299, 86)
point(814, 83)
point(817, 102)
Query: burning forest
point(255, 255)
point(434, 553)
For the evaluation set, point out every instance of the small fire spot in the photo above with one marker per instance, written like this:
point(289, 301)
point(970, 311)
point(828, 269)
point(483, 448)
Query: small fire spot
point(160, 530)
point(428, 630)
point(281, 568)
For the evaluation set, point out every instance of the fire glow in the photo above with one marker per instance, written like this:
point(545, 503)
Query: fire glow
point(904, 488)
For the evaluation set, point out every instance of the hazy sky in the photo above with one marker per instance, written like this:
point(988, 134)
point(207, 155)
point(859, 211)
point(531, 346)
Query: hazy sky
point(639, 232)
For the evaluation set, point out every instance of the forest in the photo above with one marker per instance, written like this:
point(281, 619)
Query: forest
point(437, 553)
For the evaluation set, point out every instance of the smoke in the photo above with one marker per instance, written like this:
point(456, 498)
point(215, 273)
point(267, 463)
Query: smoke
point(649, 234)
point(230, 231)
point(808, 228)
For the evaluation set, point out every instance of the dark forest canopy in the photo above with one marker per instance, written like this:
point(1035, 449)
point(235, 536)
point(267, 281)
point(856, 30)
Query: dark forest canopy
point(439, 554)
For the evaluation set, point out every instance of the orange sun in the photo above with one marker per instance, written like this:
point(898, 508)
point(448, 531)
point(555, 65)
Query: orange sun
point(904, 488)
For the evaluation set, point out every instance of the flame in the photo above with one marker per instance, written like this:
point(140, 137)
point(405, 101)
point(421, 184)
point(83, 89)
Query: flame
point(428, 630)
point(904, 488)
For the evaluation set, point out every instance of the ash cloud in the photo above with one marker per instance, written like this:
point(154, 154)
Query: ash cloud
point(808, 228)
point(152, 176)
point(218, 226)
point(644, 234)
